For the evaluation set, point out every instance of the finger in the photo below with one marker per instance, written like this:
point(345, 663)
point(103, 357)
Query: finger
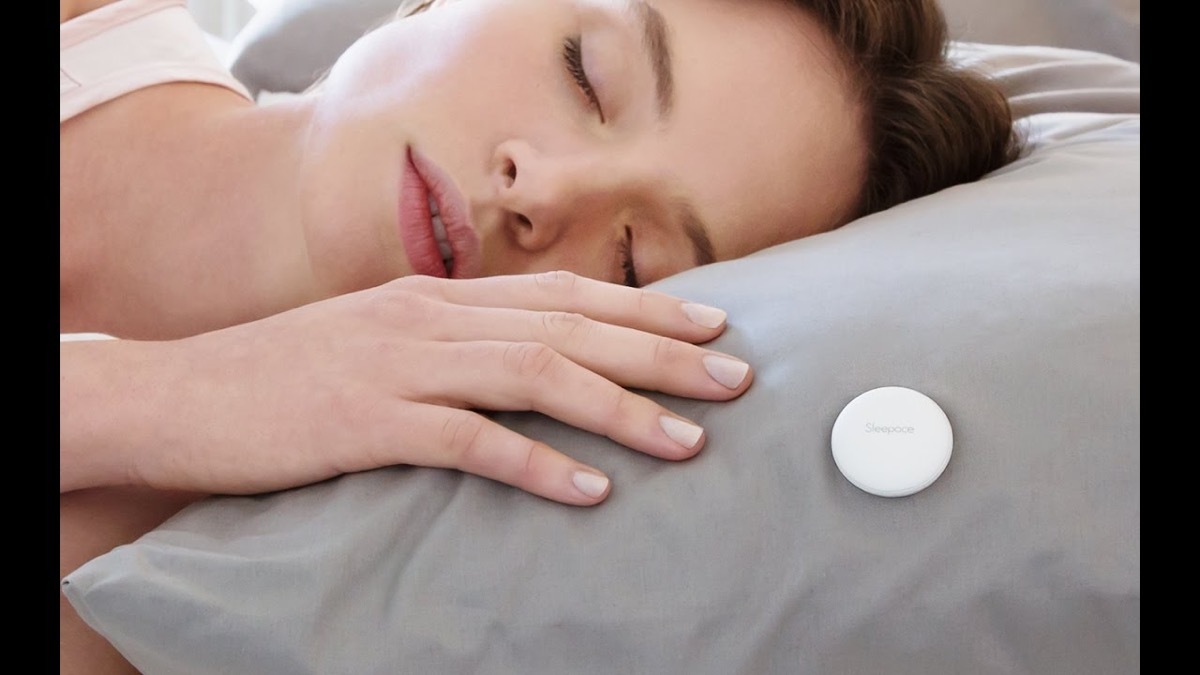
point(626, 356)
point(638, 308)
point(532, 376)
point(450, 438)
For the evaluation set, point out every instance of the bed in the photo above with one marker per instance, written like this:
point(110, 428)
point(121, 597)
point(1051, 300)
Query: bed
point(1013, 302)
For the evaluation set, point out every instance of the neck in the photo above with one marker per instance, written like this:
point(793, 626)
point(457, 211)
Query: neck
point(188, 223)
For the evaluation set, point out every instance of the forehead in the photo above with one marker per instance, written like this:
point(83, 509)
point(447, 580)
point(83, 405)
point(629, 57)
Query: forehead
point(766, 139)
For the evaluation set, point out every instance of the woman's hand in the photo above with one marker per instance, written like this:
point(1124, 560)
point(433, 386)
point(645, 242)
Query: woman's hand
point(394, 375)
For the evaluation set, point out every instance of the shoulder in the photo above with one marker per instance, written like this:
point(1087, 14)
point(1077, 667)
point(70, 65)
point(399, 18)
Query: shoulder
point(69, 9)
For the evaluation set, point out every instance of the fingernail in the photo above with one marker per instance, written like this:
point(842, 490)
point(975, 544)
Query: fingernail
point(683, 433)
point(589, 483)
point(703, 315)
point(727, 371)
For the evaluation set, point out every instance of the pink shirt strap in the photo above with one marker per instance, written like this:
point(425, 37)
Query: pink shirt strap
point(130, 45)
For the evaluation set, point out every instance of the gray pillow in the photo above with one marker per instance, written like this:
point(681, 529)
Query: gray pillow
point(1107, 26)
point(288, 44)
point(1013, 302)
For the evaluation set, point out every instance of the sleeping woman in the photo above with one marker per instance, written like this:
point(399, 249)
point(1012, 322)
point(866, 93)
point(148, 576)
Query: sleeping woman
point(460, 219)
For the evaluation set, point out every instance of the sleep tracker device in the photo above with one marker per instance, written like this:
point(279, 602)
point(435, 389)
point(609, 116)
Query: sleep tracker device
point(892, 441)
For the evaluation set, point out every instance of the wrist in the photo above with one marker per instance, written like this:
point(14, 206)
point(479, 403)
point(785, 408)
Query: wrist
point(111, 409)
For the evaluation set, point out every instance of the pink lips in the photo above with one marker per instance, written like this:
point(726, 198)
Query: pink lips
point(421, 178)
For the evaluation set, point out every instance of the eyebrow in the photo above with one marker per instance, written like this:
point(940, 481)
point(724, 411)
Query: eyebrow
point(696, 231)
point(658, 47)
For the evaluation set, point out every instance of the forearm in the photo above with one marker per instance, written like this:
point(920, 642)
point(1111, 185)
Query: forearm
point(395, 375)
point(110, 392)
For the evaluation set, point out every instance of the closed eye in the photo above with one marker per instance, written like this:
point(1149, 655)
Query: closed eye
point(573, 58)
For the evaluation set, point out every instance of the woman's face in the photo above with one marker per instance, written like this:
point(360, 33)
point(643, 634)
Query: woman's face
point(624, 140)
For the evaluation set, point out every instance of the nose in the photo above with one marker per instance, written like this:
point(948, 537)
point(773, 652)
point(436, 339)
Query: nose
point(544, 195)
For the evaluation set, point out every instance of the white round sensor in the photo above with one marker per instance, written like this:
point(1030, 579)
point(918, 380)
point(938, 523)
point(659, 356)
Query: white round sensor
point(892, 441)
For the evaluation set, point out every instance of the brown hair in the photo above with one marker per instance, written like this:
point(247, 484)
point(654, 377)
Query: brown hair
point(929, 124)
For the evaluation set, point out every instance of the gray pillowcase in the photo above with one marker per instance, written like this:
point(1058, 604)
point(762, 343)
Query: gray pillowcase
point(1014, 302)
point(289, 44)
point(1107, 26)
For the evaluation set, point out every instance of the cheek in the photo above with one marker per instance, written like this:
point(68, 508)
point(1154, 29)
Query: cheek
point(496, 93)
point(498, 88)
point(769, 180)
point(411, 57)
point(584, 262)
point(488, 70)
point(585, 252)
